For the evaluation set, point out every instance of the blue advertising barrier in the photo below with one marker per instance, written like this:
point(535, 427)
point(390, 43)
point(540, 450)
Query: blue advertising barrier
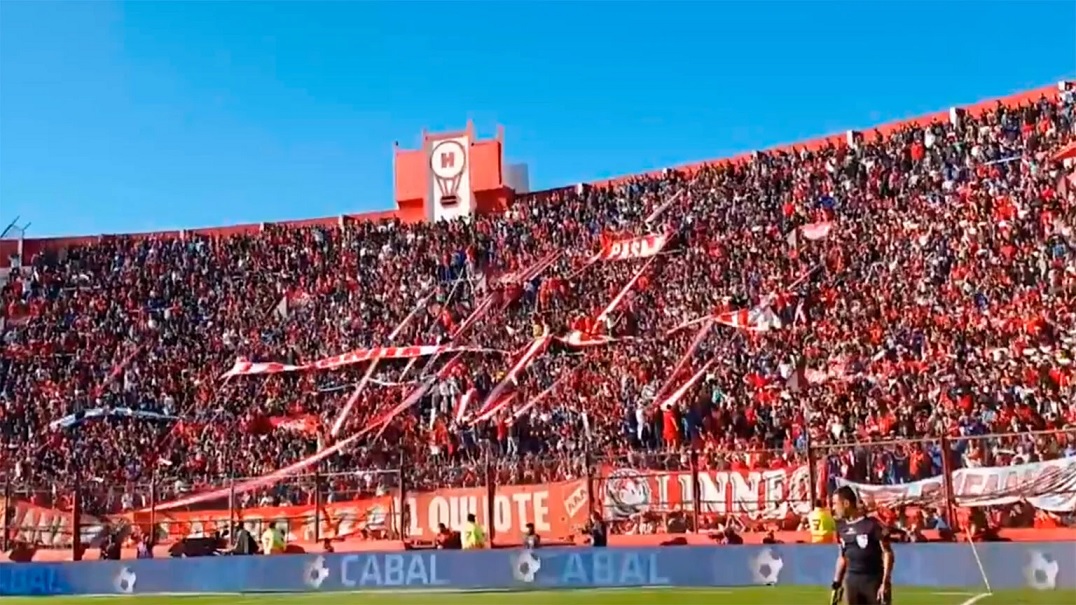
point(1043, 566)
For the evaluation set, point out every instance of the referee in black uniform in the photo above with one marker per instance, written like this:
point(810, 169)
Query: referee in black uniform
point(865, 565)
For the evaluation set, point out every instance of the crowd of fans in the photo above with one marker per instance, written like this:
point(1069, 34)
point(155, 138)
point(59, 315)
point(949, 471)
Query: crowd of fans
point(942, 302)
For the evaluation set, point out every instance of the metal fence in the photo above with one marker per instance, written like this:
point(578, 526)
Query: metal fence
point(639, 492)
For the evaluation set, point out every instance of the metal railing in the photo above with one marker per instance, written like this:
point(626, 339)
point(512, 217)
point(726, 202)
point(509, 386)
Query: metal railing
point(687, 489)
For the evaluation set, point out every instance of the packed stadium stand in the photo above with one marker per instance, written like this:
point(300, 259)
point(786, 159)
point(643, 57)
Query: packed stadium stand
point(865, 297)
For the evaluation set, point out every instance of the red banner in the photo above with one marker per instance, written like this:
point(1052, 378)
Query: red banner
point(303, 423)
point(556, 509)
point(580, 339)
point(49, 527)
point(643, 246)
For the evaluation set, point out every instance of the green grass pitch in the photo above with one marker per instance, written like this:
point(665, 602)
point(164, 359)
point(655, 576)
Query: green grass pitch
point(777, 595)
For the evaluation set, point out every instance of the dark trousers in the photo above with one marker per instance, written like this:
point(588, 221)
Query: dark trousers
point(862, 589)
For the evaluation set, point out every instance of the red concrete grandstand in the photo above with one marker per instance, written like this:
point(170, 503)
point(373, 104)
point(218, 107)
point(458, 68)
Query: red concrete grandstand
point(707, 348)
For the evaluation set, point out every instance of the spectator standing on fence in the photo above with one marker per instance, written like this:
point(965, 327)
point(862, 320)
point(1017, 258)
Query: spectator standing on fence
point(531, 539)
point(599, 533)
point(144, 548)
point(272, 541)
point(111, 547)
point(474, 536)
point(447, 539)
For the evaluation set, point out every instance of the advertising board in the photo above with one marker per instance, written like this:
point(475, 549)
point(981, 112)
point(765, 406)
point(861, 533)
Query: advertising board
point(1043, 566)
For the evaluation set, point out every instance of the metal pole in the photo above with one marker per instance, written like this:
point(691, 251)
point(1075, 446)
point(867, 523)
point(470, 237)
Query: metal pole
point(76, 517)
point(231, 498)
point(8, 513)
point(76, 497)
point(152, 510)
point(9, 227)
point(491, 494)
point(812, 470)
point(696, 491)
point(404, 527)
point(588, 466)
point(947, 482)
point(317, 502)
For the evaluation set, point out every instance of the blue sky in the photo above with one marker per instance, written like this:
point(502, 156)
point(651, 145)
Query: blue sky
point(119, 117)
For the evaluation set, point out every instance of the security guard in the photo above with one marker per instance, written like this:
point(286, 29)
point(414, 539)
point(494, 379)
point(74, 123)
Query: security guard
point(473, 534)
point(823, 527)
point(865, 566)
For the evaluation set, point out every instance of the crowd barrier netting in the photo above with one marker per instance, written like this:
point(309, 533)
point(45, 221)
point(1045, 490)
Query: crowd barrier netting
point(40, 515)
point(1011, 481)
point(1025, 480)
point(307, 508)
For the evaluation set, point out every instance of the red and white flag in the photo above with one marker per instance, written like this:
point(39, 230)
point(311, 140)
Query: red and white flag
point(613, 304)
point(696, 341)
point(502, 402)
point(306, 424)
point(293, 299)
point(367, 377)
point(248, 368)
point(546, 393)
point(382, 422)
point(679, 393)
point(643, 246)
point(495, 400)
point(578, 339)
point(759, 319)
point(464, 404)
point(817, 231)
point(663, 207)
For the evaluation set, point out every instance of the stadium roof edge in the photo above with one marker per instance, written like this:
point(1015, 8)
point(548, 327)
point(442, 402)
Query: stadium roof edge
point(1010, 100)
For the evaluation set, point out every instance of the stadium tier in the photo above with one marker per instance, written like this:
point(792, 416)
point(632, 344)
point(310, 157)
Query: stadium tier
point(709, 347)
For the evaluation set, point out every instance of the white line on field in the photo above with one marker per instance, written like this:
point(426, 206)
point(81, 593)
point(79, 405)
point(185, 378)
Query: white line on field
point(955, 594)
point(977, 598)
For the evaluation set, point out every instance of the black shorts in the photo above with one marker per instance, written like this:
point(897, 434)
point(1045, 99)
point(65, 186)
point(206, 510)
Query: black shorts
point(862, 589)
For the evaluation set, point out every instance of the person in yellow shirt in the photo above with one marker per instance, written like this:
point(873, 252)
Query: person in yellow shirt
point(823, 527)
point(272, 541)
point(473, 534)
